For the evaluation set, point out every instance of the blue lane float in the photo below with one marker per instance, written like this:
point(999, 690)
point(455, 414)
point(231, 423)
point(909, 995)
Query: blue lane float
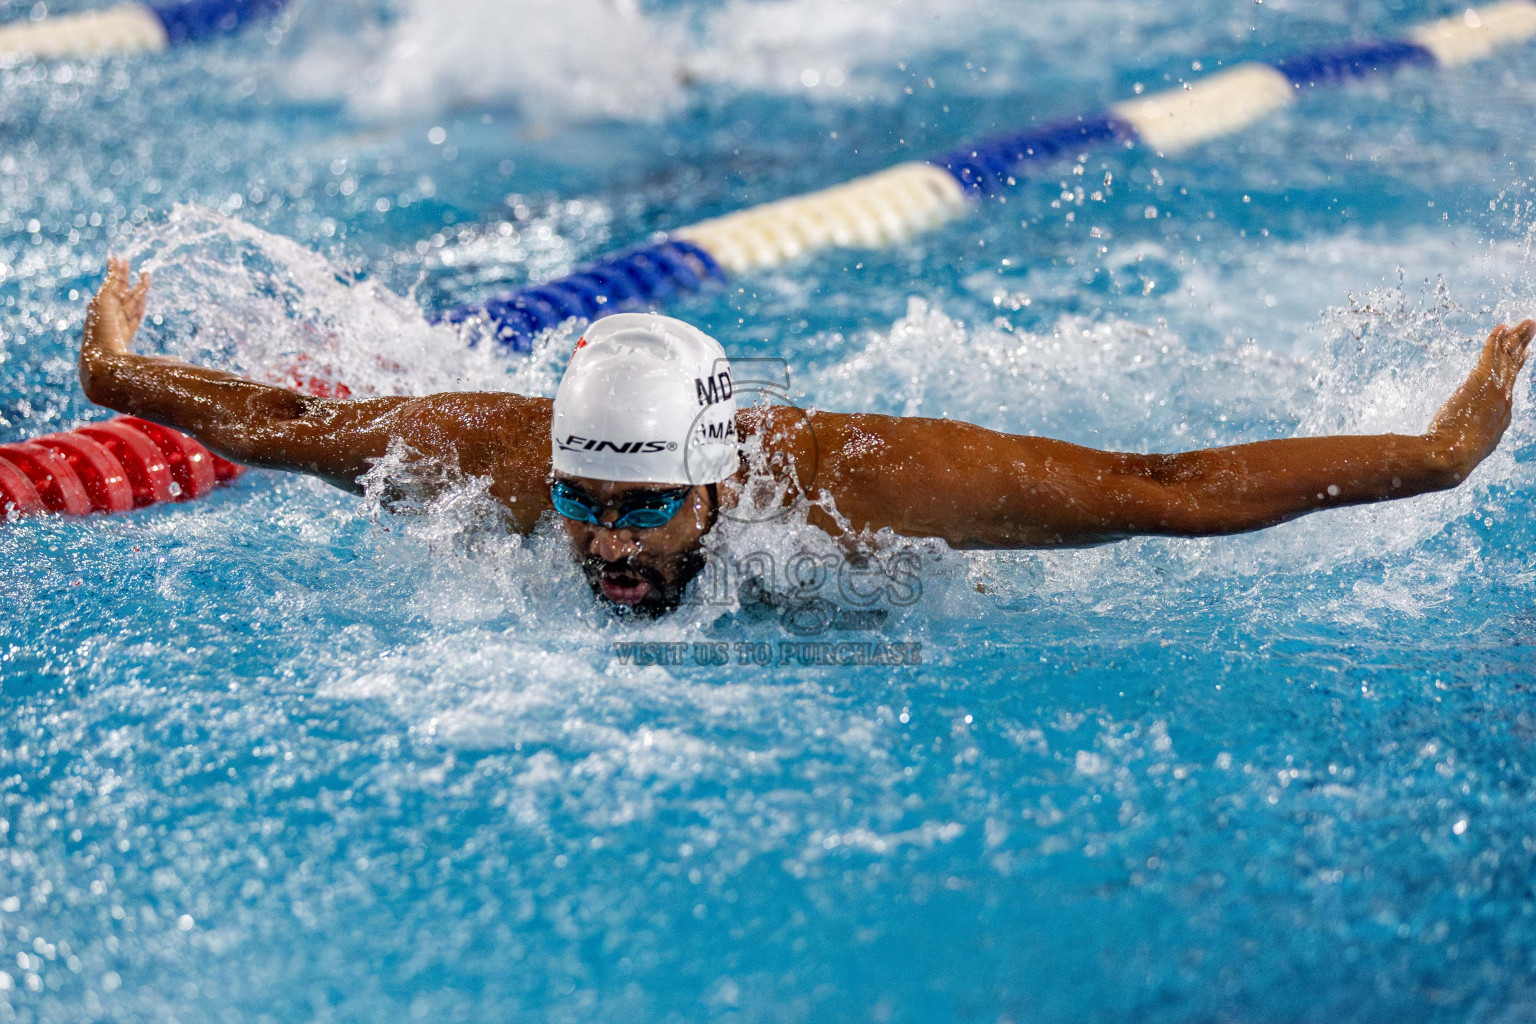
point(992, 166)
point(887, 207)
point(1356, 60)
point(647, 276)
point(131, 28)
point(206, 19)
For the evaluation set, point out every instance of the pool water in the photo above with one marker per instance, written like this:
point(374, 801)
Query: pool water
point(284, 756)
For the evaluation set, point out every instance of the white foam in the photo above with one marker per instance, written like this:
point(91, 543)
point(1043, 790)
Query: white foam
point(559, 60)
point(556, 60)
point(558, 57)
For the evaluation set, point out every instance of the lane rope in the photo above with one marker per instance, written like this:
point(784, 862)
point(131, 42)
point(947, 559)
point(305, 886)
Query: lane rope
point(890, 206)
point(114, 466)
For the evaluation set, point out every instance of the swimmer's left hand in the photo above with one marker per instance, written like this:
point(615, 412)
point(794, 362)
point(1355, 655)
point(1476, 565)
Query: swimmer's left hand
point(1469, 425)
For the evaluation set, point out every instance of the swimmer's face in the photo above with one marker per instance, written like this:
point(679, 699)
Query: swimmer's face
point(646, 570)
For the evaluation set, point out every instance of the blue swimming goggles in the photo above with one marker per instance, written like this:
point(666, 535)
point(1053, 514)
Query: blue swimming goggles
point(644, 510)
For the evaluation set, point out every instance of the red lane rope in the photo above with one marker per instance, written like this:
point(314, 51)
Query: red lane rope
point(49, 472)
point(190, 463)
point(139, 457)
point(104, 478)
point(115, 466)
point(17, 492)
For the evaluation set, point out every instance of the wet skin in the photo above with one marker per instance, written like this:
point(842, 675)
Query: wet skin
point(967, 485)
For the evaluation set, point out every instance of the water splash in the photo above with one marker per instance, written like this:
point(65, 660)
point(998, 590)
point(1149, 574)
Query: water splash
point(235, 297)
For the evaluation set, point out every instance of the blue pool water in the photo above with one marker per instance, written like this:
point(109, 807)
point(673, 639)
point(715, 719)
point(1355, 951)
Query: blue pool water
point(280, 756)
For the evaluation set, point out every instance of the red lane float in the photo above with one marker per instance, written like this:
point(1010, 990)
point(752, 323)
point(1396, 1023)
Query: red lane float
point(126, 463)
point(50, 474)
point(102, 474)
point(115, 466)
point(190, 463)
point(148, 475)
point(17, 492)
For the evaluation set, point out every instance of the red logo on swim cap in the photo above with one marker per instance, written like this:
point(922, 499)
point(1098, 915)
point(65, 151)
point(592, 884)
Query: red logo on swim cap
point(580, 344)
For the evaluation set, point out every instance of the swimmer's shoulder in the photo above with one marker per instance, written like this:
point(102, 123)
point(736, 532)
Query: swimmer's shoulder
point(875, 452)
point(786, 431)
point(480, 404)
point(464, 420)
point(820, 445)
point(472, 414)
point(500, 435)
point(816, 433)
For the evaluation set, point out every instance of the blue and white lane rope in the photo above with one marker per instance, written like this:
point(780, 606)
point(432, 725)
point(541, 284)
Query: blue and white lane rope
point(131, 28)
point(887, 207)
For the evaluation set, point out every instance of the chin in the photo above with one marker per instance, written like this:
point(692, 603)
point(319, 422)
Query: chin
point(653, 607)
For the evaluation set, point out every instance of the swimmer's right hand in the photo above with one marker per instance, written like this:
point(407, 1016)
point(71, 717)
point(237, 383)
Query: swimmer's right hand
point(111, 321)
point(113, 316)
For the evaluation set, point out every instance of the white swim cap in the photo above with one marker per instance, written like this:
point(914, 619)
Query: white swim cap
point(646, 399)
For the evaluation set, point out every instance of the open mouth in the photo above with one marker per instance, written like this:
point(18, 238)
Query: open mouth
point(624, 585)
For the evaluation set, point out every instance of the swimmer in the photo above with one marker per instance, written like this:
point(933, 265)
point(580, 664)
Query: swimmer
point(639, 452)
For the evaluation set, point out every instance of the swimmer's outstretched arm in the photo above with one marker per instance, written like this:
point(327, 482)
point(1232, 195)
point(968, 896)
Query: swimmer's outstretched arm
point(504, 436)
point(982, 489)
